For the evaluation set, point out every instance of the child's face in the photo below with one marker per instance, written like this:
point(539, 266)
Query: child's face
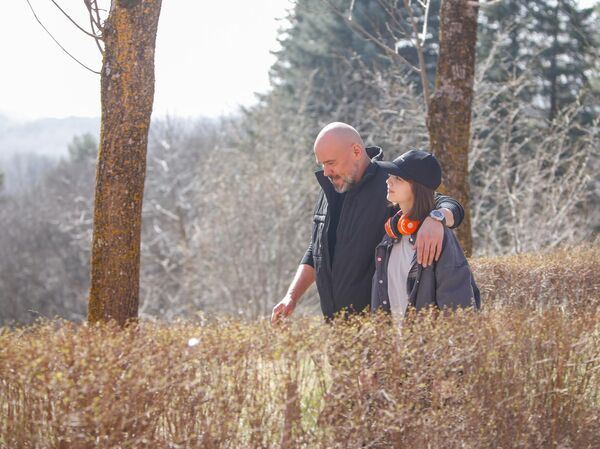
point(399, 190)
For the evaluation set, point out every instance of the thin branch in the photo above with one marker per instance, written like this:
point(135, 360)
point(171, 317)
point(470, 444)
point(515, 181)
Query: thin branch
point(425, 19)
point(95, 22)
point(97, 40)
point(353, 24)
point(351, 9)
point(72, 20)
point(94, 8)
point(57, 43)
point(390, 13)
point(423, 72)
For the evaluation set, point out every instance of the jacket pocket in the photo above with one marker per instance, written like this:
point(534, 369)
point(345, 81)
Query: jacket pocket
point(317, 237)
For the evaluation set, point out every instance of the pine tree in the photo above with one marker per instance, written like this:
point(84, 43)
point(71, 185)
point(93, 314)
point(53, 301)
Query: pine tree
point(84, 147)
point(562, 62)
point(315, 52)
point(555, 39)
point(327, 42)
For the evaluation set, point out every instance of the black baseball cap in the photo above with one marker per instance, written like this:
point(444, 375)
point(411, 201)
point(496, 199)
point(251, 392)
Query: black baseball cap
point(416, 165)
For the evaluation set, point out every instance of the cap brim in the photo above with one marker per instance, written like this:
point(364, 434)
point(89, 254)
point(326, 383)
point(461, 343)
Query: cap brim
point(392, 169)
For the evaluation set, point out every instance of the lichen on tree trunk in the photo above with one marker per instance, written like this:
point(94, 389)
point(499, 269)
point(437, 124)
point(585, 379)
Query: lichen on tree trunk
point(449, 117)
point(127, 95)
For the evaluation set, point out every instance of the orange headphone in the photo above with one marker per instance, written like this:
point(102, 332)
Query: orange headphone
point(400, 225)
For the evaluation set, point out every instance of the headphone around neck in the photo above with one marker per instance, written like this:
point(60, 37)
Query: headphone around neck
point(400, 225)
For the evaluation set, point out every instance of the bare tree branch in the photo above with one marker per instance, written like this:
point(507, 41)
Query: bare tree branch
point(57, 43)
point(423, 71)
point(92, 7)
point(390, 13)
point(360, 29)
point(95, 21)
point(425, 18)
point(73, 21)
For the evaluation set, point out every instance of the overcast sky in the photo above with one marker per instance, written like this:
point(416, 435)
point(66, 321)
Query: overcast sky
point(211, 56)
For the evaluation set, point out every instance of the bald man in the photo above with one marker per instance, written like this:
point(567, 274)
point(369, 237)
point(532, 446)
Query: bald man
point(348, 224)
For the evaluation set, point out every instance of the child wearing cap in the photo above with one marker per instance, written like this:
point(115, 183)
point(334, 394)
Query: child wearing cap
point(399, 281)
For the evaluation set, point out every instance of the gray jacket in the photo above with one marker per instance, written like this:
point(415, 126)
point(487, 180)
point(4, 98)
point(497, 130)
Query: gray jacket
point(448, 283)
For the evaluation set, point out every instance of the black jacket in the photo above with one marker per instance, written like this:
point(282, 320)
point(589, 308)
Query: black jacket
point(345, 283)
point(448, 283)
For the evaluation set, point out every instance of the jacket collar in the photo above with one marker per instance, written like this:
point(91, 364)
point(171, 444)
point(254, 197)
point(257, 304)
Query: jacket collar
point(375, 153)
point(389, 241)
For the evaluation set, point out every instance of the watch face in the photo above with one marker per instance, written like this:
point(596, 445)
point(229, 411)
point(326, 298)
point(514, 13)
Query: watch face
point(436, 214)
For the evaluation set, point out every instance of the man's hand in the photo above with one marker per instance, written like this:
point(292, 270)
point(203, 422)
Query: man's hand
point(283, 309)
point(429, 242)
point(305, 276)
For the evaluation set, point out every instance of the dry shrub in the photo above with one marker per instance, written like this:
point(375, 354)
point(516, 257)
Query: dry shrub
point(569, 277)
point(505, 377)
point(524, 372)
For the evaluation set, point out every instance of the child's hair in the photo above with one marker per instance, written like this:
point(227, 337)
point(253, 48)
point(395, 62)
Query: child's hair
point(423, 202)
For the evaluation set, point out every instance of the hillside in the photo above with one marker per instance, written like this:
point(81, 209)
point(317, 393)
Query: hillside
point(47, 136)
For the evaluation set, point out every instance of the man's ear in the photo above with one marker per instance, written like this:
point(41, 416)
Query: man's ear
point(357, 150)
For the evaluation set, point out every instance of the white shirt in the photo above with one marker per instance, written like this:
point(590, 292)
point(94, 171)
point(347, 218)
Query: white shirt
point(398, 267)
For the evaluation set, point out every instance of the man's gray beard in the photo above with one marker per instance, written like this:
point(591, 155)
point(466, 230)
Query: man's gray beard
point(347, 185)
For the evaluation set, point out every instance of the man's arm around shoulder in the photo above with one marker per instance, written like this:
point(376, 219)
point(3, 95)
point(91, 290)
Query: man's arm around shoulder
point(431, 233)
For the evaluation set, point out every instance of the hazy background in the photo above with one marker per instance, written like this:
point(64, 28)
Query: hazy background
point(211, 58)
point(218, 151)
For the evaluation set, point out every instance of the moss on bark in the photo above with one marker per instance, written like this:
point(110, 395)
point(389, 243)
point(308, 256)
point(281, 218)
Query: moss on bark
point(127, 95)
point(449, 118)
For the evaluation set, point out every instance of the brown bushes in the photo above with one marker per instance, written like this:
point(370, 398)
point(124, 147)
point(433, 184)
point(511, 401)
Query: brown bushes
point(509, 376)
point(569, 277)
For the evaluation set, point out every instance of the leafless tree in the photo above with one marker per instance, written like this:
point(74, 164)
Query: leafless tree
point(44, 246)
point(127, 96)
point(449, 115)
point(126, 39)
point(531, 180)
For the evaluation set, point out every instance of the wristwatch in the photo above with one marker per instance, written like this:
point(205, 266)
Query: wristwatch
point(438, 215)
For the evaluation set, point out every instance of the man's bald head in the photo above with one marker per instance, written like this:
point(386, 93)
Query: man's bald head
point(341, 151)
point(339, 134)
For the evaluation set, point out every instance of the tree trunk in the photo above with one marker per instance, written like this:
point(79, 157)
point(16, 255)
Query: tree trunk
point(127, 94)
point(449, 118)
